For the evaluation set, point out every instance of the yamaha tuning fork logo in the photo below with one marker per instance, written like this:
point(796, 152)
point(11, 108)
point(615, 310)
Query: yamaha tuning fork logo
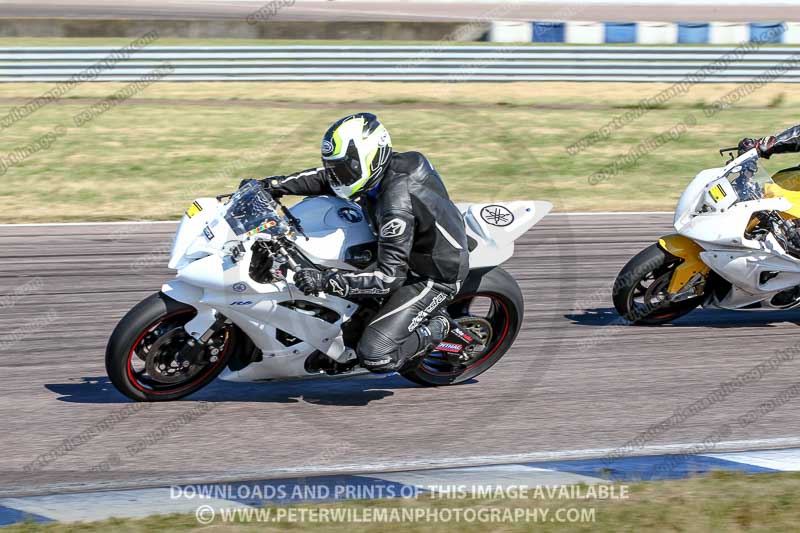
point(239, 287)
point(497, 215)
point(350, 214)
point(327, 147)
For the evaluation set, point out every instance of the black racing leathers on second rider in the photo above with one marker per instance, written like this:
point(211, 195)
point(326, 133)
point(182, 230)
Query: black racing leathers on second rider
point(787, 141)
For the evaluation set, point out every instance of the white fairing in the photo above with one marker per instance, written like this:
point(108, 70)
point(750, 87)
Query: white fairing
point(719, 227)
point(334, 226)
point(495, 226)
point(212, 279)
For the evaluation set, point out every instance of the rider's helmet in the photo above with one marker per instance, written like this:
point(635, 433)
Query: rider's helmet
point(355, 153)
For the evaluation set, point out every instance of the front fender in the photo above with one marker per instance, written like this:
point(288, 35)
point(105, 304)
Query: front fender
point(689, 252)
point(191, 295)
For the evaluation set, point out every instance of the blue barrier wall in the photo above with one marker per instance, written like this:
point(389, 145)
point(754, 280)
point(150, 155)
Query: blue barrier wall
point(587, 32)
point(548, 32)
point(620, 32)
point(693, 32)
point(766, 32)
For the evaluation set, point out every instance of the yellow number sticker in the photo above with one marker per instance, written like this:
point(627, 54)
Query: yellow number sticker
point(193, 209)
point(717, 193)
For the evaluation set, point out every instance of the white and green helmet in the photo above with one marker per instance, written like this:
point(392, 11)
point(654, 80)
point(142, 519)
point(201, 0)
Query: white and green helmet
point(355, 153)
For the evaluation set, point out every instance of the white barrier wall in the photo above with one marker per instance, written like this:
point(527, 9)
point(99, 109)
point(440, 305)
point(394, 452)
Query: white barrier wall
point(585, 32)
point(646, 33)
point(729, 33)
point(792, 35)
point(511, 32)
point(657, 33)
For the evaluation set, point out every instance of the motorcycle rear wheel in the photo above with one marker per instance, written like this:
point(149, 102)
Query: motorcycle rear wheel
point(491, 302)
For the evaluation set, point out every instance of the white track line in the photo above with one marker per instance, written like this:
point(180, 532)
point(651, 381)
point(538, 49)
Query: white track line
point(56, 224)
point(122, 223)
point(607, 213)
point(561, 455)
point(234, 474)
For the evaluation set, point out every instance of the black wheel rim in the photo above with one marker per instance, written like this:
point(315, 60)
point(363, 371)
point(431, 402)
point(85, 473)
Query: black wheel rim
point(648, 298)
point(153, 366)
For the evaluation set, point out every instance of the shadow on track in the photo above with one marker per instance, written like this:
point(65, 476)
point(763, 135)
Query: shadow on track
point(341, 392)
point(712, 318)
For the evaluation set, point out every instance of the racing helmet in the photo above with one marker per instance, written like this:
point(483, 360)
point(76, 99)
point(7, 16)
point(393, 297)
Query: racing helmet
point(355, 153)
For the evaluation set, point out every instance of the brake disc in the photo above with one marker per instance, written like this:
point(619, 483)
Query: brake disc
point(162, 362)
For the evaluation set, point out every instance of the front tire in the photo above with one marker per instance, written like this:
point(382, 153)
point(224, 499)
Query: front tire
point(640, 289)
point(489, 297)
point(158, 321)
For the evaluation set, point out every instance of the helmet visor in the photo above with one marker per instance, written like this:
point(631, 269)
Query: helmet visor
point(343, 172)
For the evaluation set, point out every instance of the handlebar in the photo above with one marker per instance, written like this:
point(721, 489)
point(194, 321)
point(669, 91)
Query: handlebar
point(732, 151)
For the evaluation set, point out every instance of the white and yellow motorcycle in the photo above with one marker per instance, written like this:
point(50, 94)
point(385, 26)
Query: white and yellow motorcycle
point(234, 312)
point(730, 251)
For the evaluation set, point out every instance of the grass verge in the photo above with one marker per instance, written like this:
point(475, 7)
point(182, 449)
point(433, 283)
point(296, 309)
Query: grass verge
point(728, 502)
point(146, 158)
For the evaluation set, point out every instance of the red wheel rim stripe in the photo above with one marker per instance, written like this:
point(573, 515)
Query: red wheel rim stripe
point(489, 354)
point(147, 330)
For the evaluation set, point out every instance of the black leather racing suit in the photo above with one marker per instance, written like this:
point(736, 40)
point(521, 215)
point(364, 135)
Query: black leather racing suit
point(785, 142)
point(422, 254)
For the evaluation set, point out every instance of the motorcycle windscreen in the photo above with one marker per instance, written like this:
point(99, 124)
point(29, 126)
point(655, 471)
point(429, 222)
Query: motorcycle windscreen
point(251, 210)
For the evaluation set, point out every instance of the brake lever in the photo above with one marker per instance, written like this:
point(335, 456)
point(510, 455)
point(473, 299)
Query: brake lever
point(723, 151)
point(293, 220)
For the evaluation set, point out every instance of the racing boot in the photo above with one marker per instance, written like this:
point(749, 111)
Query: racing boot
point(430, 335)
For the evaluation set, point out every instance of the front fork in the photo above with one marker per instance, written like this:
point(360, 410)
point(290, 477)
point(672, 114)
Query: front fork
point(203, 326)
point(688, 278)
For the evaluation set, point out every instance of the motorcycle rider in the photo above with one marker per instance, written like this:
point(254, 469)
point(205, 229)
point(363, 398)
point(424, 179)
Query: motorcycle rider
point(422, 256)
point(785, 142)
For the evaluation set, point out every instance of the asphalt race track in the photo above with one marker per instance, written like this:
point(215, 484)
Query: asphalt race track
point(575, 380)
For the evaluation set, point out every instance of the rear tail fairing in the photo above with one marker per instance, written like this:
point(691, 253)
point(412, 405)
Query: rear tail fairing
point(495, 226)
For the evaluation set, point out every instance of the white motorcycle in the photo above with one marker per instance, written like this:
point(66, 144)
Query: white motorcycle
point(234, 312)
point(731, 249)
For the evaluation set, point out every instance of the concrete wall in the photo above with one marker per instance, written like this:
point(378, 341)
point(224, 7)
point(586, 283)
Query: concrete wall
point(240, 29)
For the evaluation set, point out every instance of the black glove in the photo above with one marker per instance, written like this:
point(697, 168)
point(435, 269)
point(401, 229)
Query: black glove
point(312, 281)
point(271, 182)
point(764, 146)
point(268, 183)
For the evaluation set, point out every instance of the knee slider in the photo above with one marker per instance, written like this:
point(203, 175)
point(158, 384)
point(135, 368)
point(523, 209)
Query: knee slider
point(376, 352)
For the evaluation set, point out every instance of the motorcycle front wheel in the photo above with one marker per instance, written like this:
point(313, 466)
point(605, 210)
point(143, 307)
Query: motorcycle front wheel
point(640, 290)
point(142, 357)
point(489, 307)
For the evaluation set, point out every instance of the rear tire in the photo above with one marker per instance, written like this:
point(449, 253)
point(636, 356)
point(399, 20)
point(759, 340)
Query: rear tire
point(506, 311)
point(128, 338)
point(651, 264)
